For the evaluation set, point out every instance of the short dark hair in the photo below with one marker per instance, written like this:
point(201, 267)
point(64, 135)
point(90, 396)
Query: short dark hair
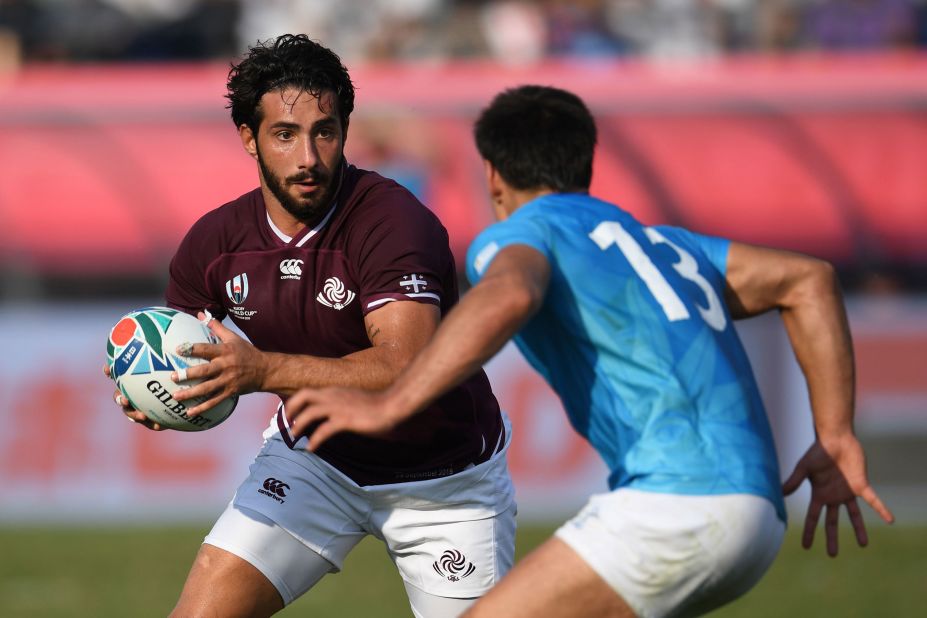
point(290, 60)
point(538, 137)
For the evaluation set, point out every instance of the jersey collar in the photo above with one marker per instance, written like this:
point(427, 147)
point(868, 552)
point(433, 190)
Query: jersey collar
point(307, 235)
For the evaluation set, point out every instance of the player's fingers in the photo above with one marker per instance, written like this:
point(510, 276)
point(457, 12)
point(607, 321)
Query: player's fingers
point(856, 519)
point(135, 415)
point(872, 499)
point(831, 522)
point(302, 419)
point(210, 383)
point(297, 402)
point(795, 479)
point(201, 371)
point(811, 522)
point(212, 401)
point(208, 351)
point(322, 433)
point(139, 418)
point(219, 330)
point(106, 371)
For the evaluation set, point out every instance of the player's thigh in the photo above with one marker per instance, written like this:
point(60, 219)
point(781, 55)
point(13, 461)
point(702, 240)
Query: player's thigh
point(669, 555)
point(251, 562)
point(288, 513)
point(425, 605)
point(555, 582)
point(223, 584)
point(452, 552)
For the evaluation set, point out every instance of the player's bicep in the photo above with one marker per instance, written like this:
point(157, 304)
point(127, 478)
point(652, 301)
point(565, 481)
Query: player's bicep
point(400, 329)
point(523, 264)
point(759, 278)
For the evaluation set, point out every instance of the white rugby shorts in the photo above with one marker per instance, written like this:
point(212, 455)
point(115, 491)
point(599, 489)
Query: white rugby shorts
point(676, 555)
point(452, 536)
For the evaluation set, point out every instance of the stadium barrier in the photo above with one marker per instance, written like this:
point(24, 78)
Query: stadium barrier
point(67, 456)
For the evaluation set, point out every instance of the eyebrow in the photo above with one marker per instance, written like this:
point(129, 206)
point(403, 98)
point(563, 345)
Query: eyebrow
point(282, 124)
point(322, 122)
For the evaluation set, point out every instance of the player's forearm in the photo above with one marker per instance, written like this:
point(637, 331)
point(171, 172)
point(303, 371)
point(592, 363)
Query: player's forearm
point(816, 322)
point(371, 369)
point(485, 319)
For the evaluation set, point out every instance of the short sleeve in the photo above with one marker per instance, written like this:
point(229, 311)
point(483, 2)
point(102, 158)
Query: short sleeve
point(517, 230)
point(187, 289)
point(713, 247)
point(400, 251)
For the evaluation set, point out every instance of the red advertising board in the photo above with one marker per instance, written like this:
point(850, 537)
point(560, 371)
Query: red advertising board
point(102, 169)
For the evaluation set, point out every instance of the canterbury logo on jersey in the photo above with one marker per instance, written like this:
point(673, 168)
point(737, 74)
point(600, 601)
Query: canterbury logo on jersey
point(274, 488)
point(334, 294)
point(237, 288)
point(291, 269)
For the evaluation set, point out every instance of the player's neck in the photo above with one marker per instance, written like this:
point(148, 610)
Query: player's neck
point(516, 198)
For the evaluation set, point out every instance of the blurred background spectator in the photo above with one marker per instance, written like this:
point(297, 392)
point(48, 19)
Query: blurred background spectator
point(512, 31)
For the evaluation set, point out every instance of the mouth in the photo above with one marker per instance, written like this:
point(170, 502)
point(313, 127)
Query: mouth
point(307, 186)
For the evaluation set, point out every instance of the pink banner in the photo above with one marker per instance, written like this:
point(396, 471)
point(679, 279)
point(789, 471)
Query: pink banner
point(104, 168)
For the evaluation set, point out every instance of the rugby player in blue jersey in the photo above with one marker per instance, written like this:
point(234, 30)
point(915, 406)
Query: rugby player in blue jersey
point(632, 327)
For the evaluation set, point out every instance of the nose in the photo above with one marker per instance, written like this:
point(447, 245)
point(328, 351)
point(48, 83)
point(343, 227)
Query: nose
point(308, 155)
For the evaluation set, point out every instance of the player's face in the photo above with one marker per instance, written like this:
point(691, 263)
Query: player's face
point(299, 149)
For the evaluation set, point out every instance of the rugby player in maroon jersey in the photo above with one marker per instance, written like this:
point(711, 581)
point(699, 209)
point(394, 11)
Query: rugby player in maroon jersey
point(338, 276)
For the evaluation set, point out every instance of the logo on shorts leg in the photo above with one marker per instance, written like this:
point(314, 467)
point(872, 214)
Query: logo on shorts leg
point(274, 489)
point(453, 566)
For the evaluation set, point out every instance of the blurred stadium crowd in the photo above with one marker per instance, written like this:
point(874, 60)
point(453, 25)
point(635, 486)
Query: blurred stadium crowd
point(508, 31)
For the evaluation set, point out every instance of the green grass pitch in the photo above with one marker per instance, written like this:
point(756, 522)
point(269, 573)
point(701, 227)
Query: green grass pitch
point(102, 572)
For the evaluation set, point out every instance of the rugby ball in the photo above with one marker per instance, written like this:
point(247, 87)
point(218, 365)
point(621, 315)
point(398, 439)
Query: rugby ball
point(142, 353)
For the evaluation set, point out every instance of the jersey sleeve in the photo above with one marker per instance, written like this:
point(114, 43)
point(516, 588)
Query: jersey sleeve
point(517, 230)
point(187, 289)
point(713, 247)
point(400, 252)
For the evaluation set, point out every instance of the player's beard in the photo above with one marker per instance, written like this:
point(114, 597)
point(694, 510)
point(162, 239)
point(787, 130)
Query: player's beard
point(310, 210)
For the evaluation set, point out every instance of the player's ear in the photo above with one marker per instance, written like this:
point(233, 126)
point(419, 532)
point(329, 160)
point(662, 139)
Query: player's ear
point(496, 187)
point(493, 180)
point(248, 140)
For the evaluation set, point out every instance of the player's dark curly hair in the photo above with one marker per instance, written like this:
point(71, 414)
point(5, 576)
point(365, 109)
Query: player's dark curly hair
point(538, 137)
point(290, 60)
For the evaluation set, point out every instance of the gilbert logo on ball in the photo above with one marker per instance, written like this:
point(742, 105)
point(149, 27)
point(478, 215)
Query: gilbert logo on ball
point(142, 353)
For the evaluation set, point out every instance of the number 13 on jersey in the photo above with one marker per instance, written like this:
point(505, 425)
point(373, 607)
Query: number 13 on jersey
point(611, 232)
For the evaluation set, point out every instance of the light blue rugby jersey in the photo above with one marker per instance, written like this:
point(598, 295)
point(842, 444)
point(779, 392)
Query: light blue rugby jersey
point(635, 338)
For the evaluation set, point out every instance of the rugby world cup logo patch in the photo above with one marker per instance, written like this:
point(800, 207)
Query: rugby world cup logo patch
point(237, 288)
point(334, 294)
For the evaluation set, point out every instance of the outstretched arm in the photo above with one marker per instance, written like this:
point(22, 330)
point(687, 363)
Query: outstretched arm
point(397, 331)
point(806, 293)
point(509, 293)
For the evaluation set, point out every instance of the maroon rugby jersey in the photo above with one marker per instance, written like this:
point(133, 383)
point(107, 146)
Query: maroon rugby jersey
point(309, 296)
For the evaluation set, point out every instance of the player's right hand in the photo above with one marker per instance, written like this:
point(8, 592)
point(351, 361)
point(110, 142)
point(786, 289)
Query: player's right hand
point(836, 469)
point(131, 413)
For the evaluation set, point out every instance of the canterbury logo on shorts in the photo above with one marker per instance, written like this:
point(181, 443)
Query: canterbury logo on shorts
point(274, 488)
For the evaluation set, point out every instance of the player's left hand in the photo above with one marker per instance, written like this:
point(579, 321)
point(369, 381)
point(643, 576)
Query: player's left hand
point(836, 469)
point(321, 413)
point(235, 367)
